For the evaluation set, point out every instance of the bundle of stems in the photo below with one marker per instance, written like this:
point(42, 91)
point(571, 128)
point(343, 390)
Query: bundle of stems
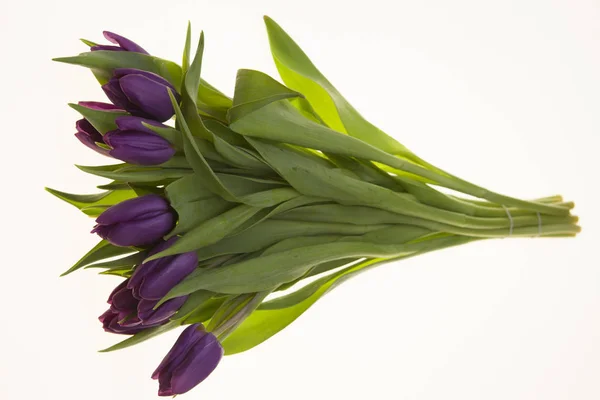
point(283, 192)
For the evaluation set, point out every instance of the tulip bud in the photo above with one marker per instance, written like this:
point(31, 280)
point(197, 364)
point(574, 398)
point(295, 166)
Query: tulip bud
point(140, 221)
point(122, 44)
point(142, 93)
point(89, 136)
point(129, 314)
point(192, 359)
point(154, 279)
point(132, 303)
point(134, 143)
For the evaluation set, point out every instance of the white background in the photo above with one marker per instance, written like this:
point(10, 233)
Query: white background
point(502, 93)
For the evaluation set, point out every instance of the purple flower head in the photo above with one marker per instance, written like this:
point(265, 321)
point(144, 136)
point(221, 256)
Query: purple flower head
point(192, 359)
point(129, 314)
point(89, 136)
point(142, 93)
point(154, 279)
point(122, 44)
point(140, 221)
point(132, 142)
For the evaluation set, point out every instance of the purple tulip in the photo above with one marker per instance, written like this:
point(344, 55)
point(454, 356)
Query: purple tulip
point(132, 302)
point(129, 314)
point(122, 44)
point(86, 133)
point(154, 279)
point(140, 221)
point(142, 93)
point(192, 359)
point(132, 142)
point(89, 136)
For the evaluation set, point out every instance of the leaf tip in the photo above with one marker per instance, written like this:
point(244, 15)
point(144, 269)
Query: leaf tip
point(67, 60)
point(88, 42)
point(74, 106)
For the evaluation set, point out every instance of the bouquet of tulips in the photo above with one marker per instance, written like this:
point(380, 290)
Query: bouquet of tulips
point(238, 214)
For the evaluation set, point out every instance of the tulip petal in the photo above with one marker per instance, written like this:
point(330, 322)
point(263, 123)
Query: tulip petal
point(113, 91)
point(133, 208)
point(164, 277)
point(148, 95)
point(185, 341)
point(162, 313)
point(139, 147)
point(89, 136)
point(164, 384)
point(106, 47)
point(123, 301)
point(132, 123)
point(122, 72)
point(87, 141)
point(121, 286)
point(139, 232)
point(123, 42)
point(198, 364)
point(84, 126)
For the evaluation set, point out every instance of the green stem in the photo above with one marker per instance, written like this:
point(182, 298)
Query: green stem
point(450, 181)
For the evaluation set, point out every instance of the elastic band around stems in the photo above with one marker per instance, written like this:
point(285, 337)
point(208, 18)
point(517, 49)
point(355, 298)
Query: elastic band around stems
point(510, 219)
point(539, 224)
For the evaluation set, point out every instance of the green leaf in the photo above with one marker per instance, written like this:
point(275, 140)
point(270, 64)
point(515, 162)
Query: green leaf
point(205, 312)
point(135, 173)
point(234, 155)
point(210, 231)
point(94, 204)
point(338, 213)
point(193, 303)
point(107, 61)
point(189, 95)
point(211, 102)
point(299, 73)
point(267, 272)
point(101, 251)
point(128, 261)
point(203, 171)
point(313, 177)
point(143, 336)
point(205, 174)
point(265, 214)
point(103, 121)
point(194, 213)
point(171, 135)
point(115, 185)
point(270, 232)
point(281, 122)
point(254, 90)
point(319, 269)
point(186, 189)
point(273, 316)
point(122, 272)
point(295, 242)
point(89, 42)
point(221, 130)
point(195, 204)
point(185, 62)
